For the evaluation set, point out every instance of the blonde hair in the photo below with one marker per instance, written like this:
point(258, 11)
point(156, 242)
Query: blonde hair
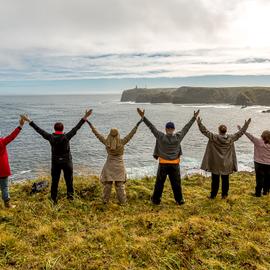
point(266, 136)
point(113, 140)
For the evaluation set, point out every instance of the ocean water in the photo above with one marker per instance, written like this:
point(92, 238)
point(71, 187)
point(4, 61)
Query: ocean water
point(30, 154)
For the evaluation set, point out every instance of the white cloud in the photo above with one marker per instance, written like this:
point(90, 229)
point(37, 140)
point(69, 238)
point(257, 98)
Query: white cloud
point(50, 39)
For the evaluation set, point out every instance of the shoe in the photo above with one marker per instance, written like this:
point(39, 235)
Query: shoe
point(181, 202)
point(224, 197)
point(256, 195)
point(153, 201)
point(211, 197)
point(9, 205)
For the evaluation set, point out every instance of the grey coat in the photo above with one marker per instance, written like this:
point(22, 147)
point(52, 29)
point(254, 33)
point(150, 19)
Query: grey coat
point(220, 156)
point(168, 146)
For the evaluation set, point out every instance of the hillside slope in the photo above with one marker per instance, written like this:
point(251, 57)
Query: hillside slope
point(85, 234)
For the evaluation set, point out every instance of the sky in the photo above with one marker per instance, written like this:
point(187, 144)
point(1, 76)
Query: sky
point(76, 46)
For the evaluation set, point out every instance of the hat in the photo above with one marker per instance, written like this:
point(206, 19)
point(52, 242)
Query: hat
point(170, 125)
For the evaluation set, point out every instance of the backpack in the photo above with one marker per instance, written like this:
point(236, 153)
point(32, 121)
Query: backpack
point(39, 186)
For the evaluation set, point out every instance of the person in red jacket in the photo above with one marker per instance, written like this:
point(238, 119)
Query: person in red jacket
point(4, 164)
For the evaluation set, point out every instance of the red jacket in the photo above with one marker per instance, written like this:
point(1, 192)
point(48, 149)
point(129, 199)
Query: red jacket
point(4, 164)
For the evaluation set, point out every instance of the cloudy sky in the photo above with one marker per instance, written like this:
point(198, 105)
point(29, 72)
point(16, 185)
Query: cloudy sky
point(141, 40)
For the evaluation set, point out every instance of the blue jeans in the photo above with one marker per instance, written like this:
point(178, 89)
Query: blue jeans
point(4, 188)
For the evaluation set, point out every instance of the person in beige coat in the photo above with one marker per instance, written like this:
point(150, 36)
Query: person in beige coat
point(114, 168)
point(220, 157)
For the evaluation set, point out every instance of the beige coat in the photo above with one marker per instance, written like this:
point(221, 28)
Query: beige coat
point(114, 167)
point(220, 156)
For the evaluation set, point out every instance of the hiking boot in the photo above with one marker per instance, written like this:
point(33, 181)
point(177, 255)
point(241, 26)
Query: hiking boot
point(9, 205)
point(224, 197)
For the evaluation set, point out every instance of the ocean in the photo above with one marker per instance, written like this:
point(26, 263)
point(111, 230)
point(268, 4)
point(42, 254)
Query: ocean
point(30, 154)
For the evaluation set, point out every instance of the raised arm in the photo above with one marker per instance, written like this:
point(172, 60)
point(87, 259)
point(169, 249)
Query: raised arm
point(43, 133)
point(127, 138)
point(242, 130)
point(252, 138)
point(181, 134)
point(8, 139)
point(96, 133)
point(204, 130)
point(153, 129)
point(73, 132)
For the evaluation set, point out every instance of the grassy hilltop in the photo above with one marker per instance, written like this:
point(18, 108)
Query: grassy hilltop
point(85, 234)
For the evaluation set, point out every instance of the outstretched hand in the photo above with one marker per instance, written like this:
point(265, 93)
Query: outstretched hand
point(140, 112)
point(25, 118)
point(247, 122)
point(87, 114)
point(196, 113)
point(21, 121)
point(199, 120)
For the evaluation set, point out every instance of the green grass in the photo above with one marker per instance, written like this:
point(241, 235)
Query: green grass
point(85, 234)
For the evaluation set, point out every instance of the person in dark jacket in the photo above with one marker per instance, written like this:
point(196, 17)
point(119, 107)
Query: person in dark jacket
point(168, 151)
point(5, 171)
point(220, 157)
point(61, 159)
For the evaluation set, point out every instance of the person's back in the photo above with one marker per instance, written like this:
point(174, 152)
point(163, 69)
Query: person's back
point(61, 158)
point(261, 162)
point(220, 156)
point(261, 149)
point(5, 171)
point(60, 147)
point(168, 152)
point(114, 169)
point(168, 146)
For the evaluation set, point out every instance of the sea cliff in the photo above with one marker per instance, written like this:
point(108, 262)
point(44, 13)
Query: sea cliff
point(244, 96)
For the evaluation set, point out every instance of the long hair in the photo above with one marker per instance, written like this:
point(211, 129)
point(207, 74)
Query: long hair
point(113, 140)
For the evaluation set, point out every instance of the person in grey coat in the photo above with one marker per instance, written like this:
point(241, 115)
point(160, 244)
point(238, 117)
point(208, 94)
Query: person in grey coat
point(168, 151)
point(220, 157)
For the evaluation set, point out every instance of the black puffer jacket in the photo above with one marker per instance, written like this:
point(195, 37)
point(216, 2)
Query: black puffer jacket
point(59, 142)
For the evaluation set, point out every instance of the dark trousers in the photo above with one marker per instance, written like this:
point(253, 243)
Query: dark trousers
point(67, 168)
point(173, 171)
point(262, 172)
point(215, 185)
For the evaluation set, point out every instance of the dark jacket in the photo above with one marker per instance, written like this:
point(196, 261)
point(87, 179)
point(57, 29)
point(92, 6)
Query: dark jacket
point(59, 142)
point(220, 157)
point(168, 146)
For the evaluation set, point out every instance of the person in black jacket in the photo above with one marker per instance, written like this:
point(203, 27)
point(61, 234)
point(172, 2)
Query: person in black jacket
point(61, 155)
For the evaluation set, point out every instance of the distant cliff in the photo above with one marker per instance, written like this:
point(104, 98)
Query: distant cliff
point(205, 95)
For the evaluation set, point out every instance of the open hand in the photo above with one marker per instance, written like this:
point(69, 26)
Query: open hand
point(140, 112)
point(21, 121)
point(196, 113)
point(87, 114)
point(199, 120)
point(25, 118)
point(239, 127)
point(247, 122)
